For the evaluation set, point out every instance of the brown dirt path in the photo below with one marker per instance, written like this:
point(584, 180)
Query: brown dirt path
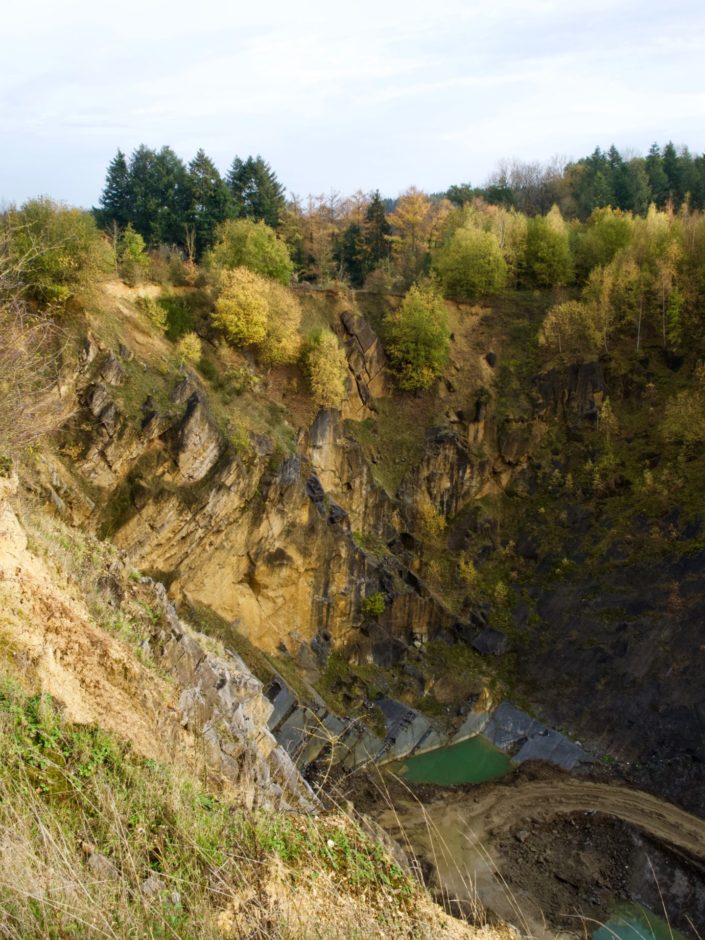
point(454, 833)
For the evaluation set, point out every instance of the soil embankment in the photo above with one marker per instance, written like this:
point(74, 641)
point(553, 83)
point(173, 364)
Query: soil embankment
point(544, 852)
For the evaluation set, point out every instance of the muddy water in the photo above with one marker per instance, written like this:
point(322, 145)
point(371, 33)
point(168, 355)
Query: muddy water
point(472, 761)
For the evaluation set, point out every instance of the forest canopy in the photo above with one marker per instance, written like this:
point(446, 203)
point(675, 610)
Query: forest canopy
point(621, 236)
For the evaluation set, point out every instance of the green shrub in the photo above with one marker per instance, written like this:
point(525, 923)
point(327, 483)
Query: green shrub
point(418, 337)
point(684, 420)
point(53, 250)
point(153, 311)
point(373, 605)
point(241, 310)
point(188, 348)
point(253, 310)
point(548, 261)
point(253, 245)
point(571, 329)
point(470, 264)
point(133, 262)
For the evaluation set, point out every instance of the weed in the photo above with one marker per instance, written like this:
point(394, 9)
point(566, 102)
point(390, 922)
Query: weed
point(373, 605)
point(86, 825)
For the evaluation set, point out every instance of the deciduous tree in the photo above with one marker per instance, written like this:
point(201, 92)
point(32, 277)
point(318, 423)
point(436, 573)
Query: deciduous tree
point(418, 338)
point(253, 245)
point(327, 369)
point(548, 261)
point(470, 264)
point(242, 309)
point(60, 249)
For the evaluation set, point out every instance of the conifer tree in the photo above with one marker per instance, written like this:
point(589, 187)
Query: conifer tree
point(160, 195)
point(256, 192)
point(209, 199)
point(377, 232)
point(672, 171)
point(116, 198)
point(657, 176)
point(352, 254)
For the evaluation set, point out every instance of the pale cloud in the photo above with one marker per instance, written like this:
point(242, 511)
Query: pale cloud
point(384, 93)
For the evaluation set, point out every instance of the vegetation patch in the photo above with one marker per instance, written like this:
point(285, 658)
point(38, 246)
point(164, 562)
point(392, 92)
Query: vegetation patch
point(98, 842)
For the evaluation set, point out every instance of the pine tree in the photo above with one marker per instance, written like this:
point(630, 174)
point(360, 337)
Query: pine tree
point(209, 200)
point(256, 192)
point(377, 232)
point(672, 169)
point(638, 186)
point(618, 174)
point(657, 176)
point(116, 198)
point(351, 254)
point(159, 185)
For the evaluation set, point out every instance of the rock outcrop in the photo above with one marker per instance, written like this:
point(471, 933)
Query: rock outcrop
point(210, 715)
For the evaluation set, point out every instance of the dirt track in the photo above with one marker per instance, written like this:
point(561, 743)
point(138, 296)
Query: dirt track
point(541, 800)
point(476, 819)
point(457, 832)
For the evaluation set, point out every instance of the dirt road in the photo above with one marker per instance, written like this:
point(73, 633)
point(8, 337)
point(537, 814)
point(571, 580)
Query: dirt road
point(455, 831)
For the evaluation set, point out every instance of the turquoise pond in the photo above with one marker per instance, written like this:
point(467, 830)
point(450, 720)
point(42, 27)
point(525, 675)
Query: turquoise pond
point(634, 922)
point(470, 761)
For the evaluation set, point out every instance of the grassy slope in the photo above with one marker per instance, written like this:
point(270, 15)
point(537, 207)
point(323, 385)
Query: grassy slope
point(98, 841)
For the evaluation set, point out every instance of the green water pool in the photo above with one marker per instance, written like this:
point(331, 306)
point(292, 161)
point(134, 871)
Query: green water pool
point(634, 922)
point(470, 761)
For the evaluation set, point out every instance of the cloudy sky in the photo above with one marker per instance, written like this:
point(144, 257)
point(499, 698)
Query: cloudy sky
point(375, 93)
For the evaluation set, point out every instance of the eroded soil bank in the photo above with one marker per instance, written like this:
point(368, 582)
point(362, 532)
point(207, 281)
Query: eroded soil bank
point(546, 851)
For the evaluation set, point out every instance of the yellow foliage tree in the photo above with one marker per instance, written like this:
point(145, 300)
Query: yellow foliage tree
point(417, 223)
point(242, 308)
point(327, 369)
point(256, 311)
point(188, 348)
point(598, 294)
point(571, 329)
point(282, 341)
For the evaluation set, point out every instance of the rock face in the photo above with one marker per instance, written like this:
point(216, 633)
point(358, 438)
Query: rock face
point(345, 476)
point(311, 733)
point(524, 738)
point(270, 548)
point(223, 705)
point(367, 361)
point(447, 475)
point(209, 715)
point(574, 392)
point(197, 443)
point(512, 730)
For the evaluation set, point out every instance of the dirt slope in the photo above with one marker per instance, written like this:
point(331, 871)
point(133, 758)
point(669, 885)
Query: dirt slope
point(48, 635)
point(456, 833)
point(544, 799)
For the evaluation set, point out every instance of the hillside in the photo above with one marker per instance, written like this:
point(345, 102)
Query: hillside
point(267, 541)
point(141, 793)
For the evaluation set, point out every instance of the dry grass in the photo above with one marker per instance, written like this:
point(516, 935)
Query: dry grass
point(30, 357)
point(98, 841)
point(95, 842)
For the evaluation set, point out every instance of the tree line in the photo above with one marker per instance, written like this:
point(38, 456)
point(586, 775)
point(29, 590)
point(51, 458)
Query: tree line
point(605, 178)
point(619, 272)
point(168, 202)
point(365, 237)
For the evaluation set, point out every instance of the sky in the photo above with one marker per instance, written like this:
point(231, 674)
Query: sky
point(339, 97)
